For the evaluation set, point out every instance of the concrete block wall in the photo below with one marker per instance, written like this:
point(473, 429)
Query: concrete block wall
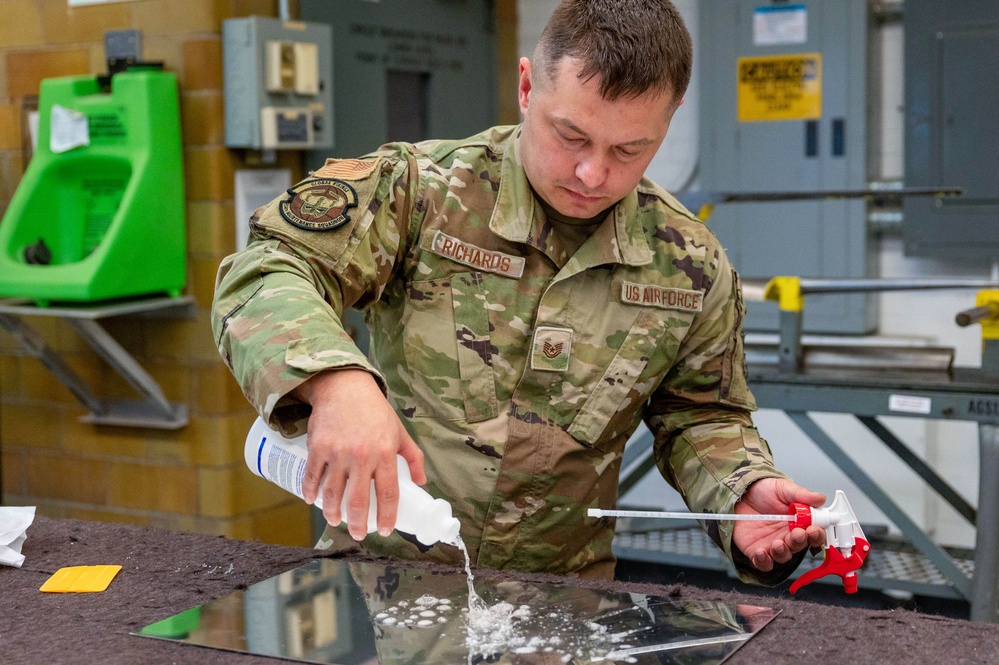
point(192, 479)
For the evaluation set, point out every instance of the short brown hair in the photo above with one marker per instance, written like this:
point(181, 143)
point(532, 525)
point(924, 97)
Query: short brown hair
point(634, 46)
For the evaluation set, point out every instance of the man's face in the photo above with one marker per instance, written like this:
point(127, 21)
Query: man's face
point(582, 153)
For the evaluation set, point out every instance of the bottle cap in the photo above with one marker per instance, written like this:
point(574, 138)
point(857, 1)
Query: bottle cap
point(439, 525)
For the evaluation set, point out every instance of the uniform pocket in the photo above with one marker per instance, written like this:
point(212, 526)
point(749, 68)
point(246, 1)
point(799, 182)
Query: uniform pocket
point(475, 350)
point(448, 350)
point(614, 392)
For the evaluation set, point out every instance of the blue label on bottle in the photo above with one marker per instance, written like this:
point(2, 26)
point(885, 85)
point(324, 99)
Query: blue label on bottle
point(260, 453)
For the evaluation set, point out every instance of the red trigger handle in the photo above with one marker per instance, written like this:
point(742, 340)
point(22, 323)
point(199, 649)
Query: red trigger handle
point(837, 564)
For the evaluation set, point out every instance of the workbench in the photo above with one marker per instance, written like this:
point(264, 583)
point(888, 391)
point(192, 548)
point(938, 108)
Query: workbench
point(165, 573)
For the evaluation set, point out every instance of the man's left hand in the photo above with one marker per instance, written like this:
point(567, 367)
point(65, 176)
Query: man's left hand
point(769, 543)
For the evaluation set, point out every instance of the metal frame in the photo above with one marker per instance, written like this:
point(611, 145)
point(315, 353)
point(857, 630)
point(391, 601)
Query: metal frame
point(154, 410)
point(799, 395)
point(892, 565)
point(949, 395)
point(943, 393)
point(790, 292)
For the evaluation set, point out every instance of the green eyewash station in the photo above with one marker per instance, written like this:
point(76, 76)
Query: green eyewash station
point(96, 228)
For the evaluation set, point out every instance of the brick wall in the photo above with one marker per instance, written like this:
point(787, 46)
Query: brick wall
point(192, 479)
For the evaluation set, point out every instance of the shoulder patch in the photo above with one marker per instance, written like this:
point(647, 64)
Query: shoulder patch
point(347, 169)
point(319, 204)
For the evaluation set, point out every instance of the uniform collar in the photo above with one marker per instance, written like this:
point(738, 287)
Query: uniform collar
point(518, 217)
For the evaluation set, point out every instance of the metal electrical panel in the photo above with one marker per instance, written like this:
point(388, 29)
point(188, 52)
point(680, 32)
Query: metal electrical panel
point(408, 70)
point(783, 108)
point(277, 84)
point(951, 113)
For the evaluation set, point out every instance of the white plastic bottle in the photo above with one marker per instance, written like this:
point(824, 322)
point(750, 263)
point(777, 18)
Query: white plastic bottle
point(282, 461)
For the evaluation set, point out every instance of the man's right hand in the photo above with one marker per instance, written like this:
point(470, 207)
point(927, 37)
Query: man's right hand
point(354, 437)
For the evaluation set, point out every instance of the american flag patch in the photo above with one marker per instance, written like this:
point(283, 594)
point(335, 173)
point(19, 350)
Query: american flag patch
point(347, 169)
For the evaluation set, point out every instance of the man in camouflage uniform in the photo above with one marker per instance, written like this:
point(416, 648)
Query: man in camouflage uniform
point(531, 297)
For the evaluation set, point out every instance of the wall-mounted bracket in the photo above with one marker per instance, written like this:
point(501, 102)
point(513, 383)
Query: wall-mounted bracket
point(153, 410)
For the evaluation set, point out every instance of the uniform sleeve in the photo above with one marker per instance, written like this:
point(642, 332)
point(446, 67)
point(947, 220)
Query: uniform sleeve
point(277, 317)
point(705, 443)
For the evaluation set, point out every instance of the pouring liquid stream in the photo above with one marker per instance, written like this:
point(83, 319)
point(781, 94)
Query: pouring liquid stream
point(475, 602)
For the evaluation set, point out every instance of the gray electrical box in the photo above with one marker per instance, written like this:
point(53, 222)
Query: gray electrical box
point(783, 109)
point(277, 84)
point(951, 140)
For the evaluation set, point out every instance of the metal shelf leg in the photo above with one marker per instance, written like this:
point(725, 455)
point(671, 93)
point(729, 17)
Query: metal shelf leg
point(35, 346)
point(984, 598)
point(156, 410)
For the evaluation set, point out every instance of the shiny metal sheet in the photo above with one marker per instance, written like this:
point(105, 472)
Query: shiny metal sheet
point(330, 611)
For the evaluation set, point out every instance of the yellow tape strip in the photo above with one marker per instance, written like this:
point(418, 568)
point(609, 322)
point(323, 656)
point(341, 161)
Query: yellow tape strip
point(80, 579)
point(787, 292)
point(990, 327)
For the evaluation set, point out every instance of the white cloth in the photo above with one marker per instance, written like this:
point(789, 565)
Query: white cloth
point(14, 522)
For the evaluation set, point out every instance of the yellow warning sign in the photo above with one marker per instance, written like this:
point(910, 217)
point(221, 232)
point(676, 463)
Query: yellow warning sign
point(780, 87)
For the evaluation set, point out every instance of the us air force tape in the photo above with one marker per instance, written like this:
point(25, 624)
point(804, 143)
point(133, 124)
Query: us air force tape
point(319, 204)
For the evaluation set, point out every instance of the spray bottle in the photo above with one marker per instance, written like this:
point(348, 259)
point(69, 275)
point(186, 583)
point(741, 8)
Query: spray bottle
point(282, 461)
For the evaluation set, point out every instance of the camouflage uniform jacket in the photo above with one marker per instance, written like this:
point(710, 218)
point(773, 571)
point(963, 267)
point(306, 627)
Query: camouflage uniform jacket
point(519, 370)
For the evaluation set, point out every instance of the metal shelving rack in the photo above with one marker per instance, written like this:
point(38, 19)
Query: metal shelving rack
point(154, 410)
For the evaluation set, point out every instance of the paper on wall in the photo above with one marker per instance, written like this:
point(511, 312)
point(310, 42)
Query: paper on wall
point(254, 188)
point(68, 129)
